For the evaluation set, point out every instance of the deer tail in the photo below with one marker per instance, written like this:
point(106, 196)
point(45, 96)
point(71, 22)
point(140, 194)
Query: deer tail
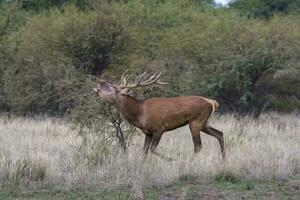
point(214, 104)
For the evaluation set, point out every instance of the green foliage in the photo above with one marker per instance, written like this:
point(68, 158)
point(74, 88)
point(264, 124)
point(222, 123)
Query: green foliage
point(11, 18)
point(231, 59)
point(51, 66)
point(227, 176)
point(284, 103)
point(38, 5)
point(265, 8)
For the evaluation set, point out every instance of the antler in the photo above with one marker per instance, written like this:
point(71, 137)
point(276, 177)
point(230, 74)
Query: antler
point(139, 81)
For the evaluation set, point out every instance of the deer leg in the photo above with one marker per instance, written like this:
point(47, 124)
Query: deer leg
point(155, 140)
point(195, 130)
point(217, 134)
point(148, 139)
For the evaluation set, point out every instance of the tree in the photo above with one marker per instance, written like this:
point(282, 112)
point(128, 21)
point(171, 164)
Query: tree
point(265, 8)
point(39, 5)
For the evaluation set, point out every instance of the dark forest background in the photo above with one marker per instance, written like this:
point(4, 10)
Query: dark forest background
point(245, 55)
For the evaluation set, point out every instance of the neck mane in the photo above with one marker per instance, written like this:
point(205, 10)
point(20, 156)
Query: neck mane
point(130, 108)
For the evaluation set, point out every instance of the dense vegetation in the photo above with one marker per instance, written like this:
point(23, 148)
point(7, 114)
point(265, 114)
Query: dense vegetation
point(247, 55)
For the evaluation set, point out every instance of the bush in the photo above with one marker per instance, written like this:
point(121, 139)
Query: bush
point(265, 8)
point(38, 5)
point(49, 67)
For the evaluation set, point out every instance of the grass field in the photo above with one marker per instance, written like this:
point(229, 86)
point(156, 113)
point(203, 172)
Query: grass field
point(45, 159)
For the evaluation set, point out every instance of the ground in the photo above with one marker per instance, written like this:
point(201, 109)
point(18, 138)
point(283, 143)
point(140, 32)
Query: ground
point(185, 188)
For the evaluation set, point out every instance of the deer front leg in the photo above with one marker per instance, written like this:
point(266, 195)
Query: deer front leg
point(147, 143)
point(155, 140)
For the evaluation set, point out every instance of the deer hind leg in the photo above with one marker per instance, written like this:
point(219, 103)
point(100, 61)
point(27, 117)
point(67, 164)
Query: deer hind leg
point(195, 128)
point(217, 134)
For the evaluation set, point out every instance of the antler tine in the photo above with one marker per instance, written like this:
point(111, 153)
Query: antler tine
point(123, 77)
point(123, 74)
point(161, 83)
point(139, 78)
point(158, 81)
point(153, 76)
point(149, 79)
point(152, 79)
point(127, 78)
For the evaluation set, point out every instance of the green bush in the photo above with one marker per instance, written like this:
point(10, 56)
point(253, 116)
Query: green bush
point(265, 8)
point(38, 5)
point(54, 54)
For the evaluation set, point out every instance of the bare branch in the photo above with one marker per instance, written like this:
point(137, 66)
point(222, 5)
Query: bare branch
point(10, 16)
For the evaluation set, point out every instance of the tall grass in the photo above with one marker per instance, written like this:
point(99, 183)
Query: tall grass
point(46, 151)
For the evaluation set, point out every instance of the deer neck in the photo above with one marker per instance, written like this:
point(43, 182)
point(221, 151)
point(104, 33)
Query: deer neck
point(130, 109)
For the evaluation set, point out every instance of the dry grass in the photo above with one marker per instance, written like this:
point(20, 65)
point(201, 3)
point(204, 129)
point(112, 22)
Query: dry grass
point(42, 152)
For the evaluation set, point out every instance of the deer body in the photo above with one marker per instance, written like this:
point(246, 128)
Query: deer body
point(157, 115)
point(165, 114)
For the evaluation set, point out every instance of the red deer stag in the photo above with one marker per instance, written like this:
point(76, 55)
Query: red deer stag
point(157, 115)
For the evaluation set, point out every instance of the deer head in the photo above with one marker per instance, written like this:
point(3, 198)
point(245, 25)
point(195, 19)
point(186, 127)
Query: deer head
point(106, 90)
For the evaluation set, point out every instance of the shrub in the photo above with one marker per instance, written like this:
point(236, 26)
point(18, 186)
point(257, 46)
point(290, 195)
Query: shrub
point(50, 66)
